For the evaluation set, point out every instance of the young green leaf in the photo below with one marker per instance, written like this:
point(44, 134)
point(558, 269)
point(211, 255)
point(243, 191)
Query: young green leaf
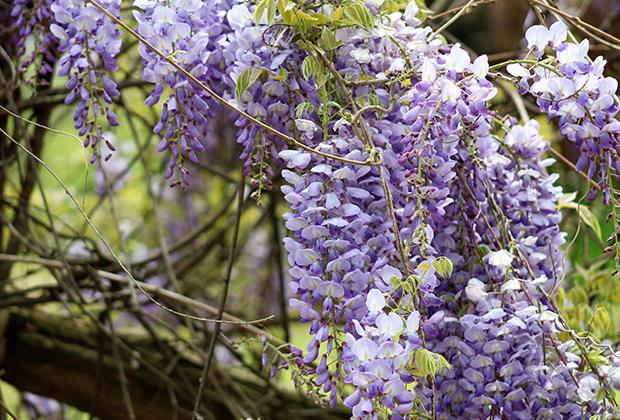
point(359, 14)
point(302, 109)
point(246, 79)
point(265, 5)
point(578, 295)
point(443, 266)
point(601, 320)
point(328, 40)
point(311, 67)
point(429, 363)
point(567, 201)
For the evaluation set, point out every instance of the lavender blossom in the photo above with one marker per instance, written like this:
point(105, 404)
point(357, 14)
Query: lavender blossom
point(89, 42)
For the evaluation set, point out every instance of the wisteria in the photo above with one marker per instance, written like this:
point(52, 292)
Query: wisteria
point(445, 168)
point(571, 87)
point(500, 348)
point(33, 20)
point(89, 41)
point(424, 238)
point(190, 32)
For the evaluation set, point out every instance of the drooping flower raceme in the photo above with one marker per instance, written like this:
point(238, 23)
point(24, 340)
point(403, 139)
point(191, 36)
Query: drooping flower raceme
point(32, 19)
point(572, 88)
point(498, 332)
point(89, 42)
point(188, 32)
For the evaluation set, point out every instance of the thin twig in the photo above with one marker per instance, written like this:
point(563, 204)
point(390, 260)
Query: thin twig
point(453, 19)
point(224, 296)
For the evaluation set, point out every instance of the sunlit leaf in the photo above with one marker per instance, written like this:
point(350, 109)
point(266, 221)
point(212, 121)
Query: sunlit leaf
point(246, 79)
point(359, 14)
point(443, 266)
point(429, 363)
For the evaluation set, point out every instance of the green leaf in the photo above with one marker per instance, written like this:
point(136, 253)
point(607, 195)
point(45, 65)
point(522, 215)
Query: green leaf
point(334, 104)
point(597, 358)
point(321, 19)
point(265, 5)
point(282, 75)
point(590, 220)
point(305, 20)
point(285, 6)
point(311, 67)
point(260, 9)
point(359, 14)
point(429, 363)
point(443, 267)
point(246, 79)
point(328, 40)
point(271, 11)
point(287, 11)
point(567, 201)
point(578, 295)
point(601, 320)
point(303, 108)
point(566, 198)
point(337, 14)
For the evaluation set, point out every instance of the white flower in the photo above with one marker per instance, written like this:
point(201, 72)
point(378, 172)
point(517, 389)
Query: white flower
point(475, 290)
point(361, 55)
point(307, 126)
point(548, 316)
point(574, 52)
point(387, 273)
point(537, 36)
point(517, 70)
point(365, 349)
point(481, 66)
point(511, 285)
point(411, 12)
point(413, 323)
point(429, 73)
point(163, 14)
point(497, 159)
point(295, 158)
point(239, 16)
point(493, 314)
point(58, 31)
point(539, 281)
point(458, 59)
point(375, 301)
point(389, 324)
point(144, 4)
point(501, 258)
point(558, 33)
point(587, 388)
point(397, 65)
point(449, 91)
point(373, 3)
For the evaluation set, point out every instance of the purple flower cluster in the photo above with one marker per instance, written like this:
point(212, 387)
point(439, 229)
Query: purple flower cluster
point(498, 331)
point(32, 19)
point(89, 42)
point(455, 189)
point(190, 33)
point(340, 253)
point(248, 47)
point(570, 87)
